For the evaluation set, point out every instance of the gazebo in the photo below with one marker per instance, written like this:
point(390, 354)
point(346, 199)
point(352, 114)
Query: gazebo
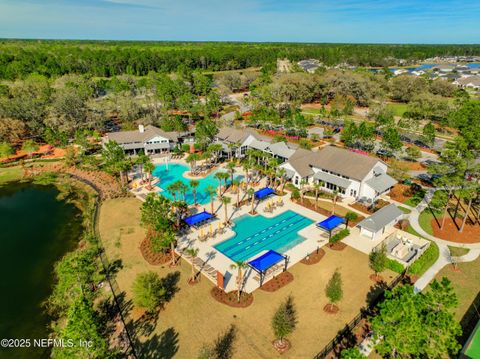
point(330, 224)
point(265, 261)
point(198, 218)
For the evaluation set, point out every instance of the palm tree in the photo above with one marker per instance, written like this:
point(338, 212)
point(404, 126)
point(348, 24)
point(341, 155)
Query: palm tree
point(149, 168)
point(251, 193)
point(231, 169)
point(237, 183)
point(192, 160)
point(172, 188)
point(303, 182)
point(141, 160)
point(193, 185)
point(226, 200)
point(239, 266)
point(334, 200)
point(192, 252)
point(246, 167)
point(212, 192)
point(219, 177)
point(317, 185)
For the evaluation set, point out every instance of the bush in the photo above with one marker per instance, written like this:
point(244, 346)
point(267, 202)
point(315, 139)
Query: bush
point(295, 194)
point(340, 235)
point(425, 261)
point(395, 266)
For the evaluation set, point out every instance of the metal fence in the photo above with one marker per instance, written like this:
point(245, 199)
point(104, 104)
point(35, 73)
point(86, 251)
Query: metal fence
point(363, 314)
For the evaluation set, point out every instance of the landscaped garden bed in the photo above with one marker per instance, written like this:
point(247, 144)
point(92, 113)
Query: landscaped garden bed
point(231, 298)
point(313, 258)
point(152, 257)
point(277, 282)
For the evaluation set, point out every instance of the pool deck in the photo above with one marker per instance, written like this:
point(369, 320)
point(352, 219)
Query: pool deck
point(214, 258)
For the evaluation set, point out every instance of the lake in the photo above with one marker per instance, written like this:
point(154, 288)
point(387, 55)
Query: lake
point(36, 230)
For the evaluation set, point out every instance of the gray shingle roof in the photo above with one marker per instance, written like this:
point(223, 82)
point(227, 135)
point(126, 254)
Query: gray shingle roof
point(381, 183)
point(381, 218)
point(281, 149)
point(141, 137)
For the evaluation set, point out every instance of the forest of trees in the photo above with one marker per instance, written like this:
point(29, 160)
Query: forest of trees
point(51, 58)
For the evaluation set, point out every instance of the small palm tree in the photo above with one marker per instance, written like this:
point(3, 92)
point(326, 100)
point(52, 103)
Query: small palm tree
point(239, 266)
point(149, 167)
point(317, 186)
point(212, 192)
point(226, 200)
point(194, 185)
point(303, 182)
point(237, 184)
point(334, 200)
point(231, 169)
point(192, 252)
point(251, 194)
point(219, 177)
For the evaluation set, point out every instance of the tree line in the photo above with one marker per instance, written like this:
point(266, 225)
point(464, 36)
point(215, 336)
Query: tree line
point(51, 58)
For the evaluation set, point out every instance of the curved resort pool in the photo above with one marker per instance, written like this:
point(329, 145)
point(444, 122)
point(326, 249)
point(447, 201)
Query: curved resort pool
point(175, 173)
point(255, 234)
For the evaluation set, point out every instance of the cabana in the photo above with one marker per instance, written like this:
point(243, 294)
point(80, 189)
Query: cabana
point(264, 192)
point(330, 224)
point(198, 218)
point(265, 261)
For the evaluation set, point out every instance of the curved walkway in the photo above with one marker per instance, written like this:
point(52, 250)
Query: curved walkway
point(445, 258)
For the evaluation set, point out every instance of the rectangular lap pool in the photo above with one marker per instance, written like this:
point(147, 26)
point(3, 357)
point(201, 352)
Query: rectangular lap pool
point(258, 233)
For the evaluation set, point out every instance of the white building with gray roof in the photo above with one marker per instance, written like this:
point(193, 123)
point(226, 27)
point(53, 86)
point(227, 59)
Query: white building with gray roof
point(375, 226)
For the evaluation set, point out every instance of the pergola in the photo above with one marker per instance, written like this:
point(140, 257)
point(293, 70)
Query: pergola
point(265, 261)
point(330, 224)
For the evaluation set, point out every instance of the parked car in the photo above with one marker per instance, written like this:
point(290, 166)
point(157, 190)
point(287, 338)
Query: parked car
point(384, 153)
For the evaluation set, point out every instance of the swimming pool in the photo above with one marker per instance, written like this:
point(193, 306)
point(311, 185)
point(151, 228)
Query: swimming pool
point(256, 234)
point(175, 173)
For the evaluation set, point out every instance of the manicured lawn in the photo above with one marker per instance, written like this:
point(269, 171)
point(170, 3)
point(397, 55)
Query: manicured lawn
point(413, 231)
point(425, 220)
point(10, 174)
point(405, 209)
point(465, 281)
point(458, 251)
point(193, 317)
point(425, 261)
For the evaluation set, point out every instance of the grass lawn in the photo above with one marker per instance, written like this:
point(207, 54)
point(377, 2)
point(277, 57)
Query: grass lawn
point(10, 174)
point(465, 281)
point(193, 317)
point(405, 209)
point(426, 260)
point(398, 108)
point(425, 221)
point(458, 251)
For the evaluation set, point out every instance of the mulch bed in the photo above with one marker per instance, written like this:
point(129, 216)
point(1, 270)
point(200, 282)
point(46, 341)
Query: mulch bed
point(331, 309)
point(313, 258)
point(277, 282)
point(338, 246)
point(450, 232)
point(230, 298)
point(281, 347)
point(152, 257)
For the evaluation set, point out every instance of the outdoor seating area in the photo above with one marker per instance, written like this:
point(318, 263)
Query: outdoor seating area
point(267, 264)
point(272, 205)
point(330, 225)
point(198, 219)
point(404, 247)
point(208, 231)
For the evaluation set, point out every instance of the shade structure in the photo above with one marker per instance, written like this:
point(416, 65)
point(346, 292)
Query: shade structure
point(264, 192)
point(198, 218)
point(331, 223)
point(266, 260)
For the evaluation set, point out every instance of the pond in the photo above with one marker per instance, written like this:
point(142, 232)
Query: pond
point(36, 231)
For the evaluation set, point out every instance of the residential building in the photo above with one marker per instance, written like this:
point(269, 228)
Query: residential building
point(469, 82)
point(149, 139)
point(375, 226)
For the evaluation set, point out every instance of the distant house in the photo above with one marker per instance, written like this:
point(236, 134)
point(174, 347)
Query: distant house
point(350, 174)
point(310, 65)
point(375, 226)
point(149, 139)
point(469, 82)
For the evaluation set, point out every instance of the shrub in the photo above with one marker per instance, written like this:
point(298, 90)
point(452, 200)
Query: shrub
point(295, 194)
point(425, 261)
point(340, 235)
point(148, 291)
point(395, 266)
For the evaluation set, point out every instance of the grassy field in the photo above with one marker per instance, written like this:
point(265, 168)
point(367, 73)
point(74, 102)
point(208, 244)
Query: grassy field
point(425, 221)
point(458, 251)
point(10, 174)
point(466, 282)
point(193, 317)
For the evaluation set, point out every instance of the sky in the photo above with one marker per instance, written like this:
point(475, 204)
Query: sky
point(360, 21)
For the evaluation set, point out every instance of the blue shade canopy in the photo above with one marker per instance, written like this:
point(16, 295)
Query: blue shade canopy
point(264, 192)
point(198, 218)
point(331, 222)
point(266, 260)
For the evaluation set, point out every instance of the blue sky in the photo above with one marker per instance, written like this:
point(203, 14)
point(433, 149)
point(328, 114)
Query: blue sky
point(378, 21)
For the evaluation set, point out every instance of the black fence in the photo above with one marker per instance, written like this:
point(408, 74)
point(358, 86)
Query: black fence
point(345, 335)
